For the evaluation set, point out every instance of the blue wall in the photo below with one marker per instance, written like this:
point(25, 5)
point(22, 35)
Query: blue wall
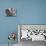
point(28, 12)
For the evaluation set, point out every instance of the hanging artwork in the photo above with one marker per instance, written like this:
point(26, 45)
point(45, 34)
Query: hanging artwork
point(10, 12)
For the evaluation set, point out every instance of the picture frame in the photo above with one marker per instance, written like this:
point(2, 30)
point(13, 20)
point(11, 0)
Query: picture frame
point(10, 11)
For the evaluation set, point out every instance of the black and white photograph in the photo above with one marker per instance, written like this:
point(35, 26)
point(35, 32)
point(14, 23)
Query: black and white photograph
point(10, 12)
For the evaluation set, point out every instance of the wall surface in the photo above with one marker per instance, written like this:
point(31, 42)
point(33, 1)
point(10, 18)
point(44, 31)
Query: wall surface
point(28, 12)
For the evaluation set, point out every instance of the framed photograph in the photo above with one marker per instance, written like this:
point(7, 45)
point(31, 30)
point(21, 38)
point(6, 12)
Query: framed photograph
point(10, 12)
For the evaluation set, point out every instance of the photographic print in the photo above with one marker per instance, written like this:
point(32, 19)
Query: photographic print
point(10, 12)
